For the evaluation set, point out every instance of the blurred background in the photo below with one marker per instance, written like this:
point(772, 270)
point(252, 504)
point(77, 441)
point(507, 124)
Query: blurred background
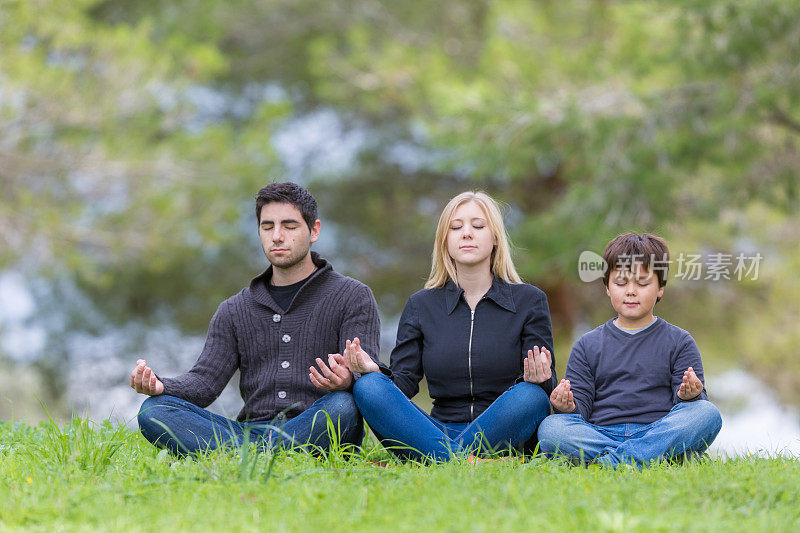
point(135, 134)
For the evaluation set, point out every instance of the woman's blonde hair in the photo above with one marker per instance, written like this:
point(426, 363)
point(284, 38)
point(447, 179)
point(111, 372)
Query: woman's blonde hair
point(442, 265)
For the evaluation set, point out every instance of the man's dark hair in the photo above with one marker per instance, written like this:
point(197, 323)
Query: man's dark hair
point(649, 250)
point(288, 193)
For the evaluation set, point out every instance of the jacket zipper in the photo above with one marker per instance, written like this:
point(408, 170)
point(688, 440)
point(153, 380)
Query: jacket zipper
point(469, 363)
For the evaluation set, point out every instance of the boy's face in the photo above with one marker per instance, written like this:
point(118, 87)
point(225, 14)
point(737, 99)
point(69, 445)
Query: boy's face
point(634, 293)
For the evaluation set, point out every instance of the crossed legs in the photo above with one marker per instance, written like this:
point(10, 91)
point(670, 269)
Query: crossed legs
point(410, 433)
point(184, 428)
point(689, 428)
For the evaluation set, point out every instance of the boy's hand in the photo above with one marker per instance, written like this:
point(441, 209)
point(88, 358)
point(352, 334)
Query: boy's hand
point(691, 386)
point(536, 367)
point(144, 380)
point(357, 360)
point(562, 398)
point(337, 377)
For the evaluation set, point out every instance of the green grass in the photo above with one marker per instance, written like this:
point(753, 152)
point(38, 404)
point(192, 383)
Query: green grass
point(86, 476)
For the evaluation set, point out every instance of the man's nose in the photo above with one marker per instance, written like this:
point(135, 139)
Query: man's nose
point(277, 235)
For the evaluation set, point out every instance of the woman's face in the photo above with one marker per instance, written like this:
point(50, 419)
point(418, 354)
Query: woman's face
point(469, 240)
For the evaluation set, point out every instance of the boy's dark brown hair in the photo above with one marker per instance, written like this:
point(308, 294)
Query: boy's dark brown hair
point(649, 250)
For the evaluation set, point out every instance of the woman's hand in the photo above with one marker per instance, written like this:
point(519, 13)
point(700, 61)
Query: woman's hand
point(537, 366)
point(357, 360)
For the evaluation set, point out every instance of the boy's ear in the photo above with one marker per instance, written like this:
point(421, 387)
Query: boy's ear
point(659, 294)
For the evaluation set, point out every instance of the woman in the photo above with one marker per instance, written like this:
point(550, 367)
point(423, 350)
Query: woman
point(468, 332)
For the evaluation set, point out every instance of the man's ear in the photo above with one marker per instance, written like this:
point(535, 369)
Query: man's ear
point(315, 229)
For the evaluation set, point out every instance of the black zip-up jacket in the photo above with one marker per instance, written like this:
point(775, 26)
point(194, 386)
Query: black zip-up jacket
point(469, 360)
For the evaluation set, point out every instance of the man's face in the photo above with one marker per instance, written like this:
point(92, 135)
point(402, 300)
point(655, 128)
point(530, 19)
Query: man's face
point(634, 292)
point(285, 237)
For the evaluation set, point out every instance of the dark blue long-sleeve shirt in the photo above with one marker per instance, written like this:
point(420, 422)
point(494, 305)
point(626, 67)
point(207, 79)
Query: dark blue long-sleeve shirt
point(469, 361)
point(618, 377)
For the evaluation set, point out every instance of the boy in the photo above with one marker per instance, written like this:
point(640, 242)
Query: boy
point(633, 391)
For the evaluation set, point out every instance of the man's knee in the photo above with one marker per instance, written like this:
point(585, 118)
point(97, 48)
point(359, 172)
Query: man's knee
point(340, 411)
point(151, 415)
point(340, 405)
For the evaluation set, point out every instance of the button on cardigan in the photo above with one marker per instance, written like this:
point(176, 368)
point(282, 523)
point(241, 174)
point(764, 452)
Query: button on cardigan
point(468, 362)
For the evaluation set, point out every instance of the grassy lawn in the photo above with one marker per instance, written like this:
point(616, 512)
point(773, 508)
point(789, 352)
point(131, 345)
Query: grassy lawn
point(84, 476)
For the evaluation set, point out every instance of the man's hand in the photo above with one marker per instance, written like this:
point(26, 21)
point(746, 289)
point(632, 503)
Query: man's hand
point(337, 377)
point(562, 398)
point(144, 381)
point(536, 367)
point(357, 359)
point(691, 386)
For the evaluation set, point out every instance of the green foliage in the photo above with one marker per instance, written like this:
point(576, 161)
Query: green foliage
point(135, 133)
point(111, 172)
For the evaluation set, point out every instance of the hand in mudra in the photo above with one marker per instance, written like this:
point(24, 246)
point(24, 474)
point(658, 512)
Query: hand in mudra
point(562, 398)
point(536, 367)
point(357, 359)
point(331, 378)
point(691, 386)
point(144, 380)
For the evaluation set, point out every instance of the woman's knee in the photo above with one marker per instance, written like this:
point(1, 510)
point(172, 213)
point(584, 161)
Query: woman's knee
point(370, 386)
point(533, 397)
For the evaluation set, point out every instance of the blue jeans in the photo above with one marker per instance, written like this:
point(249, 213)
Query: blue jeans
point(410, 433)
point(689, 428)
point(193, 429)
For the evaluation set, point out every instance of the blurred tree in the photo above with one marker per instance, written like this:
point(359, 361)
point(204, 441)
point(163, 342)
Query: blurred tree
point(123, 121)
point(119, 166)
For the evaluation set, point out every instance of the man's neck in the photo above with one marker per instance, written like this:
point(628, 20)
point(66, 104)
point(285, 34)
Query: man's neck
point(293, 274)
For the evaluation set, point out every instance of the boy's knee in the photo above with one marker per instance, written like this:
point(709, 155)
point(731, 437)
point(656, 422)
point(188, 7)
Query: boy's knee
point(550, 433)
point(708, 413)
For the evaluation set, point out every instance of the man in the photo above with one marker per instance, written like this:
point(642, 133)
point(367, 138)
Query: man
point(297, 313)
